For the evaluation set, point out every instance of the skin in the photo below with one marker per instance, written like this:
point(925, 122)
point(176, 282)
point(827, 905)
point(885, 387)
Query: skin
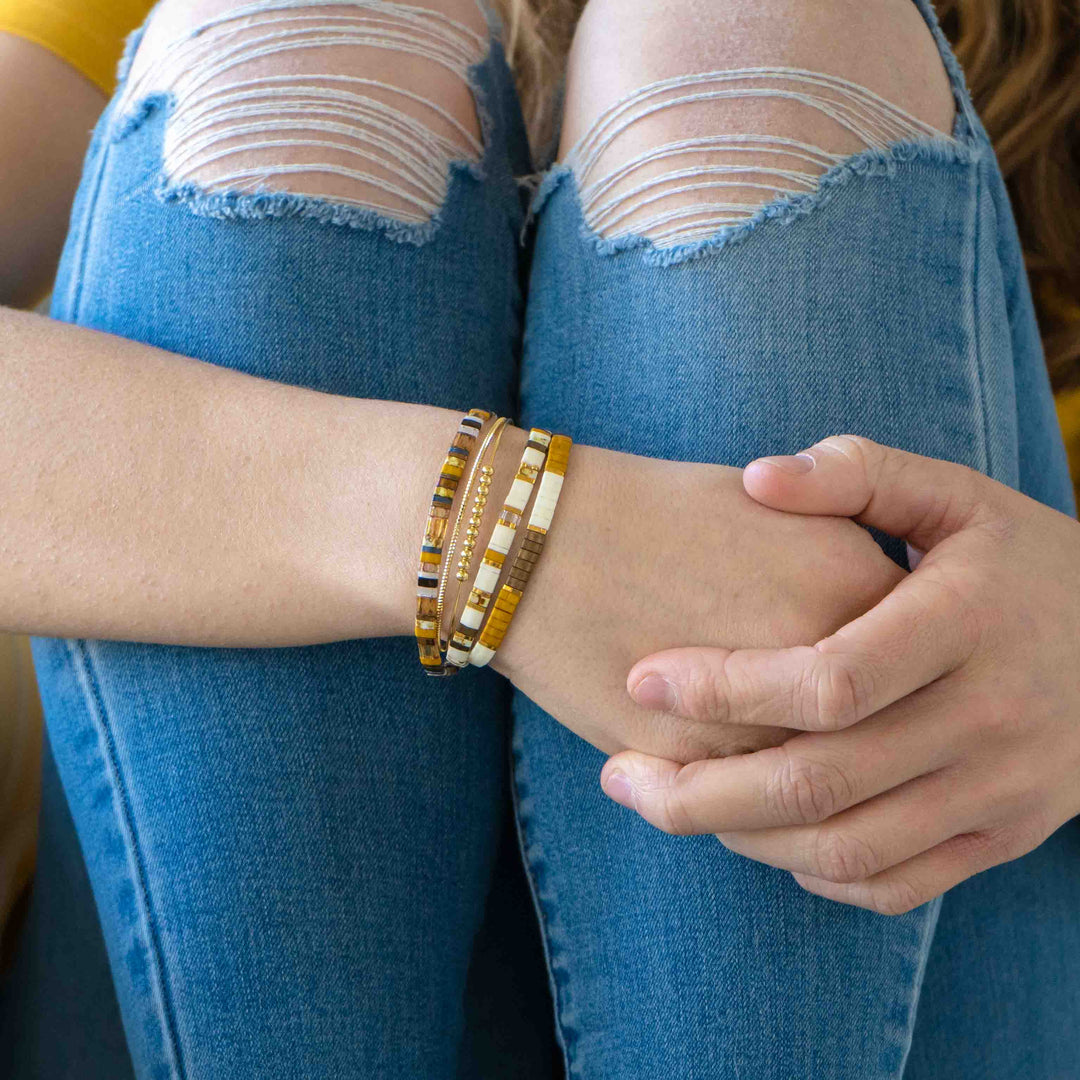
point(940, 730)
point(884, 46)
point(48, 110)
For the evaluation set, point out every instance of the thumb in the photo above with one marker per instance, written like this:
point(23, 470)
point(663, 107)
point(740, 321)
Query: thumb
point(919, 499)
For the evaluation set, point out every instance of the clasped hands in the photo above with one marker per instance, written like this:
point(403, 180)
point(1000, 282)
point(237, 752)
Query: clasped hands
point(938, 733)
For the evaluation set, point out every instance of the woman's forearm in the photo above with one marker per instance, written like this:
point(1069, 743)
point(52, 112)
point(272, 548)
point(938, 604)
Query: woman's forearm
point(152, 497)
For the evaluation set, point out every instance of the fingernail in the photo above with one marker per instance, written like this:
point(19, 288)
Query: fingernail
point(618, 788)
point(791, 463)
point(655, 692)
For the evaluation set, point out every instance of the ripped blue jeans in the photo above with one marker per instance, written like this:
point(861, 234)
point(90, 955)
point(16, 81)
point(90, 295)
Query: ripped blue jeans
point(313, 862)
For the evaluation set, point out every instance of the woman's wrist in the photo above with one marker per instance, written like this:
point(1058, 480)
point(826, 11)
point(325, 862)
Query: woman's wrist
point(376, 581)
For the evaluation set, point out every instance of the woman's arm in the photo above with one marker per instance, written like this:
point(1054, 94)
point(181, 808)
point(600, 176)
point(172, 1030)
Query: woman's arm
point(148, 496)
point(152, 497)
point(47, 110)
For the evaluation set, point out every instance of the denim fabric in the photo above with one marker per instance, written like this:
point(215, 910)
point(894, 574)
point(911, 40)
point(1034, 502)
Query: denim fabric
point(291, 849)
point(58, 1012)
point(299, 856)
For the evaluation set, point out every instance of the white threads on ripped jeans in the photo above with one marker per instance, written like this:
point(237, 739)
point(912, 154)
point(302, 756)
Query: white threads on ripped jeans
point(683, 198)
point(301, 121)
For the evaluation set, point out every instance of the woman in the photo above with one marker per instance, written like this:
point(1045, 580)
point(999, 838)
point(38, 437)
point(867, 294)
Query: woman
point(284, 843)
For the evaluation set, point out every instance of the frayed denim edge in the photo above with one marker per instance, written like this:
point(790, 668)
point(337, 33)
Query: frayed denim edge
point(265, 203)
point(785, 209)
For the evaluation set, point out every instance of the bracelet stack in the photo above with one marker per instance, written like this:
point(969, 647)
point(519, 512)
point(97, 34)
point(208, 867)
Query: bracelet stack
point(474, 639)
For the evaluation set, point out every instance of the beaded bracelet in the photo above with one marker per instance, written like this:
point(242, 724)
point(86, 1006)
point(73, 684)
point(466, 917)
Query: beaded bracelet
point(547, 498)
point(459, 651)
point(427, 582)
point(483, 468)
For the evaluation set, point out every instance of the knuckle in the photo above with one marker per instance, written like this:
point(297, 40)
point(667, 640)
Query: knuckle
point(843, 857)
point(952, 602)
point(999, 719)
point(674, 814)
point(897, 897)
point(954, 506)
point(834, 693)
point(805, 791)
point(857, 449)
point(1003, 843)
point(704, 693)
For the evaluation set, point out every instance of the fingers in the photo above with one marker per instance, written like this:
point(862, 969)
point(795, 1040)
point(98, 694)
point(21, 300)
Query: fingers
point(804, 781)
point(906, 495)
point(919, 632)
point(916, 881)
point(865, 839)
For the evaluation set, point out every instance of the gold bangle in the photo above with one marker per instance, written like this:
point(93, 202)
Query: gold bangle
point(484, 470)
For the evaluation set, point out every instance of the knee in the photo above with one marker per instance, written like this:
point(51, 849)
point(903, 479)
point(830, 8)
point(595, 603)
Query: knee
point(363, 103)
point(678, 119)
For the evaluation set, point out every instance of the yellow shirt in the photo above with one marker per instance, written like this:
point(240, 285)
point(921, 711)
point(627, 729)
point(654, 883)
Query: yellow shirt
point(88, 34)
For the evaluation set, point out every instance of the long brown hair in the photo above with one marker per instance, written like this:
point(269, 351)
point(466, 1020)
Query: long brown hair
point(1022, 63)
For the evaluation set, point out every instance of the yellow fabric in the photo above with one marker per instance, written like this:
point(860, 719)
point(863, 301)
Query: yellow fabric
point(88, 34)
point(1068, 410)
point(1066, 307)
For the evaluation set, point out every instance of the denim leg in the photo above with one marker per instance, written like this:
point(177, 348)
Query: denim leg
point(295, 852)
point(58, 1013)
point(890, 302)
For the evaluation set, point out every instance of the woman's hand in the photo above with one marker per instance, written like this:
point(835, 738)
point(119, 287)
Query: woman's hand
point(942, 728)
point(647, 554)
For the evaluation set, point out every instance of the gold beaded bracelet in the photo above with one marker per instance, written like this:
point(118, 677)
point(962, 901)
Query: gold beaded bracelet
point(483, 468)
point(547, 498)
point(427, 582)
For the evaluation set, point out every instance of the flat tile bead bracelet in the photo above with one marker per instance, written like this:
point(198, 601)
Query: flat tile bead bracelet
point(464, 639)
point(547, 498)
point(427, 582)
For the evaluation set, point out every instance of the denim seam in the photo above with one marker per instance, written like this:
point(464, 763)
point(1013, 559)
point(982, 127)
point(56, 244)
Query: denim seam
point(83, 661)
point(261, 204)
point(873, 162)
point(990, 459)
point(926, 938)
point(565, 1034)
point(74, 298)
point(970, 321)
point(898, 1040)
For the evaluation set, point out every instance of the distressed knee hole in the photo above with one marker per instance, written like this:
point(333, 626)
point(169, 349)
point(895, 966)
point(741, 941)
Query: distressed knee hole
point(682, 157)
point(365, 104)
